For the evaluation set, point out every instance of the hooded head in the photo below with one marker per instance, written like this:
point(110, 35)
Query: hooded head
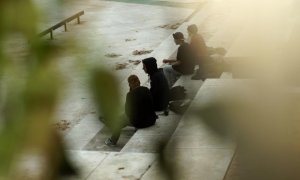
point(150, 66)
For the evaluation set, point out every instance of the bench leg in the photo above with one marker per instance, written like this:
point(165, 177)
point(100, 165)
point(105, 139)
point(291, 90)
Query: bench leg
point(51, 35)
point(65, 25)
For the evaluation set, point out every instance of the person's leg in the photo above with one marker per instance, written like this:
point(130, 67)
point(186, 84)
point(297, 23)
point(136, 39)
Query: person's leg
point(116, 132)
point(199, 74)
point(114, 137)
point(102, 119)
point(201, 71)
point(124, 122)
point(171, 75)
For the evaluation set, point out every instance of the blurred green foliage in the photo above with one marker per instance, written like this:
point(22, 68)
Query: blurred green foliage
point(106, 94)
point(29, 89)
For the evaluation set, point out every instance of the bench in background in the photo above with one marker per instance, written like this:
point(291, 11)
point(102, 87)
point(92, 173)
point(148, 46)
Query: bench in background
point(62, 23)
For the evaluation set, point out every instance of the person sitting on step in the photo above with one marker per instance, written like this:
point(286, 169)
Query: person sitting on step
point(206, 57)
point(139, 110)
point(158, 85)
point(199, 49)
point(183, 64)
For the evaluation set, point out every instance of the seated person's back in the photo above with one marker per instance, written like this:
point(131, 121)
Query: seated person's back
point(139, 110)
point(139, 107)
point(159, 85)
point(187, 59)
point(197, 44)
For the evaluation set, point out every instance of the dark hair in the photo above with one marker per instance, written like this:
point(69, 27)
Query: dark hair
point(192, 28)
point(133, 79)
point(178, 35)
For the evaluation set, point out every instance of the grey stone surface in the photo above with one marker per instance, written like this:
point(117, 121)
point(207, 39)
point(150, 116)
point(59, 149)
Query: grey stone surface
point(86, 161)
point(201, 163)
point(155, 172)
point(149, 139)
point(82, 133)
point(123, 166)
point(199, 153)
point(97, 142)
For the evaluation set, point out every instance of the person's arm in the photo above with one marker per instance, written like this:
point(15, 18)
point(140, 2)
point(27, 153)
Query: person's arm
point(127, 105)
point(154, 87)
point(169, 61)
point(176, 63)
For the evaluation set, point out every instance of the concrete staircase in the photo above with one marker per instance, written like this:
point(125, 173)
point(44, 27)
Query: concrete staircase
point(198, 153)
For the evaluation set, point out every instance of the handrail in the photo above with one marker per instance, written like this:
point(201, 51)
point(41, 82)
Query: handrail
point(62, 23)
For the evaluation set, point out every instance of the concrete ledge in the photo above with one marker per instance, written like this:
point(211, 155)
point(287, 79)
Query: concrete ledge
point(226, 75)
point(148, 139)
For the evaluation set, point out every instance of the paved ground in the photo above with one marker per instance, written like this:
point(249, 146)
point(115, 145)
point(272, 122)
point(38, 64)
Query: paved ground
point(87, 135)
point(244, 28)
point(109, 29)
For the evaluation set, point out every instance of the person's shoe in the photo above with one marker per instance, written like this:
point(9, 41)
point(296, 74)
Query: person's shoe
point(110, 142)
point(166, 112)
point(102, 119)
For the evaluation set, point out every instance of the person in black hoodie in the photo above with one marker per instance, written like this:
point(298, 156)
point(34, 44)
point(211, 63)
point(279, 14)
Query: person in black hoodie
point(139, 109)
point(159, 85)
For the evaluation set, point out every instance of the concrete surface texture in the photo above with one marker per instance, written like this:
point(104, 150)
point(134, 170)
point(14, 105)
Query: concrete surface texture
point(109, 34)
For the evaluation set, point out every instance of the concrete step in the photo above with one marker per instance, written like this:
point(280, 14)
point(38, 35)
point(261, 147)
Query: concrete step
point(149, 139)
point(194, 143)
point(226, 75)
point(81, 134)
point(123, 166)
point(110, 165)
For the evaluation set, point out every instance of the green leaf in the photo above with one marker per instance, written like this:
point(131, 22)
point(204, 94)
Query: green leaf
point(105, 89)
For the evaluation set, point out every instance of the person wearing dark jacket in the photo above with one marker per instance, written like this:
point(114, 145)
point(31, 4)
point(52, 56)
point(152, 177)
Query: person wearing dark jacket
point(183, 64)
point(159, 85)
point(139, 109)
point(199, 49)
point(204, 56)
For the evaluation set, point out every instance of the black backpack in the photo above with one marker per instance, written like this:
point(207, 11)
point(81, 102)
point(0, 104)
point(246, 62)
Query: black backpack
point(177, 93)
point(179, 106)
